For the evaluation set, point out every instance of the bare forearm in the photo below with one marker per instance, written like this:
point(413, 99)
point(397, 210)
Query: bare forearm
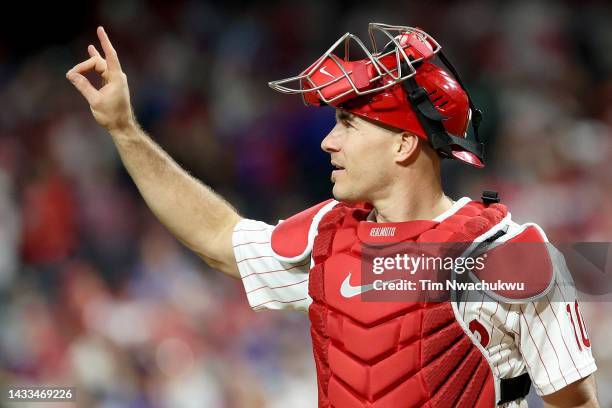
point(193, 212)
point(579, 394)
point(589, 404)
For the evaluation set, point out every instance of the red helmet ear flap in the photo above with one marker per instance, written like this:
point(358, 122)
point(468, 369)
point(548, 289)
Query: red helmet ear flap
point(467, 158)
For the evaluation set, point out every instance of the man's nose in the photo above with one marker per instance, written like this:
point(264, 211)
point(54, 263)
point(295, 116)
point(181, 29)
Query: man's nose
point(331, 143)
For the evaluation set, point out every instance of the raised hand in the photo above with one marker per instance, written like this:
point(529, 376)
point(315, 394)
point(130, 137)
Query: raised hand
point(110, 104)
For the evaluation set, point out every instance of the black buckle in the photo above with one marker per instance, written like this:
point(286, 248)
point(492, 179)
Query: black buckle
point(489, 197)
point(418, 95)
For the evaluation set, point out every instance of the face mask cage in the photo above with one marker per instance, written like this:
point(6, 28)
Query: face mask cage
point(331, 80)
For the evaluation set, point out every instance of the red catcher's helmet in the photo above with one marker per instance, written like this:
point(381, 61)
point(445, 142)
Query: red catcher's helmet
point(398, 86)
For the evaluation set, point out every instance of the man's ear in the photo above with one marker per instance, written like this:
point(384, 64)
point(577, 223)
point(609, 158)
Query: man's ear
point(407, 148)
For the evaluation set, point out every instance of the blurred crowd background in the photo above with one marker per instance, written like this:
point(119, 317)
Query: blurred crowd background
point(95, 293)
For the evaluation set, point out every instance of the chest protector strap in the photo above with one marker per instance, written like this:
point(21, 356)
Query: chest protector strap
point(293, 238)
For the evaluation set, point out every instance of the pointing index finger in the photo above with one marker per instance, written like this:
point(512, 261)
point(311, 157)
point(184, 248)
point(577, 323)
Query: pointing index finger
point(109, 52)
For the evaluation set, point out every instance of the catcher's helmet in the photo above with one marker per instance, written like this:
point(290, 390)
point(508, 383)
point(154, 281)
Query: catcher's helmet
point(398, 86)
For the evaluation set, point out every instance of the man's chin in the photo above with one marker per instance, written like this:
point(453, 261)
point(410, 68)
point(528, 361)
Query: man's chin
point(345, 196)
point(338, 193)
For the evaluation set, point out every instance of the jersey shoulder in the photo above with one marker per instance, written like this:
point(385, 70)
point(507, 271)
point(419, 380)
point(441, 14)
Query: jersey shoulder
point(292, 239)
point(521, 257)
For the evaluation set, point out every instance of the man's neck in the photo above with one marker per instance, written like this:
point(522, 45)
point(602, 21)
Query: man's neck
point(424, 206)
point(414, 193)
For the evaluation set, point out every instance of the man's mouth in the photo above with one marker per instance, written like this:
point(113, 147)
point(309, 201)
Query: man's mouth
point(337, 170)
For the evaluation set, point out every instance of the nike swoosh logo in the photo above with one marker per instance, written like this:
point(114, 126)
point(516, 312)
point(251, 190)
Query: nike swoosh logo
point(348, 291)
point(324, 70)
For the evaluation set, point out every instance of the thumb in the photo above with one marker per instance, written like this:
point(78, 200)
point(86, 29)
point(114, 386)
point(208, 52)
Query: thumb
point(83, 85)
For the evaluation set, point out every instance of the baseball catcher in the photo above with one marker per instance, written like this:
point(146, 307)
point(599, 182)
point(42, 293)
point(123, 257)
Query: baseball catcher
point(401, 108)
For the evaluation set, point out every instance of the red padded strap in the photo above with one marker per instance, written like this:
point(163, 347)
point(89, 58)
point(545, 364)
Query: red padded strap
point(292, 238)
point(360, 75)
point(522, 257)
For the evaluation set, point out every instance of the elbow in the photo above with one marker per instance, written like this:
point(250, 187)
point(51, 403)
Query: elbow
point(216, 248)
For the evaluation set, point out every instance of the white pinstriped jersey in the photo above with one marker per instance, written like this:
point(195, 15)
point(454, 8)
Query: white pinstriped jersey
point(546, 338)
point(269, 283)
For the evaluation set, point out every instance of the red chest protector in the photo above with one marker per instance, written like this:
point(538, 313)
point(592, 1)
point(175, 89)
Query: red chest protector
point(386, 354)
